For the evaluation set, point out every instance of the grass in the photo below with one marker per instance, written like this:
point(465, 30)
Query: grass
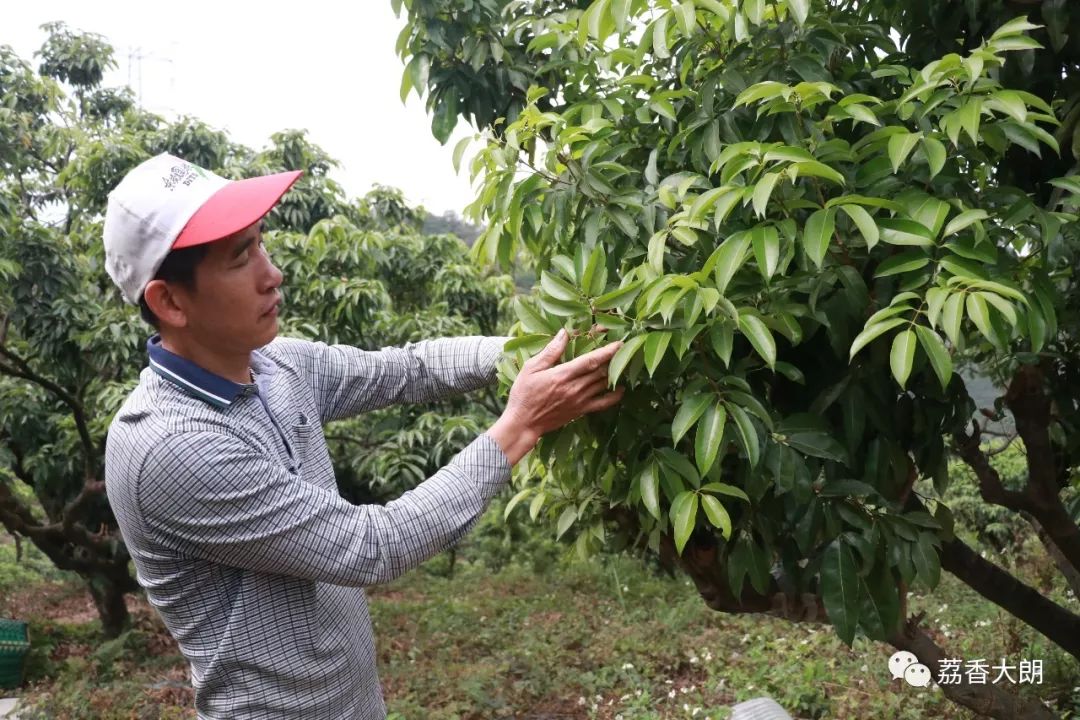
point(585, 640)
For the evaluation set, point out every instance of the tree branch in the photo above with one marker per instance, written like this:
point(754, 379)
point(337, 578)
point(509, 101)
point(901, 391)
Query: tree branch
point(21, 369)
point(1026, 398)
point(991, 488)
point(985, 699)
point(1072, 575)
point(1018, 599)
point(700, 561)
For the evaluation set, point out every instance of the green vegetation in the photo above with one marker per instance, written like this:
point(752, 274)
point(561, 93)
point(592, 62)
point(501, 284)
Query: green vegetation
point(596, 639)
point(357, 271)
point(799, 216)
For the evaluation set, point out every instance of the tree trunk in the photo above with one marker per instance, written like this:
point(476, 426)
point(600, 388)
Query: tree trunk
point(1072, 575)
point(985, 699)
point(109, 600)
point(1021, 601)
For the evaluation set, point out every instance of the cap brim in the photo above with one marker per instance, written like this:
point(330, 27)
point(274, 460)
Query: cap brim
point(234, 207)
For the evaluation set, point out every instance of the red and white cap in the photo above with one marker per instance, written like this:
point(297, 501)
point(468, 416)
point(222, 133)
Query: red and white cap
point(166, 203)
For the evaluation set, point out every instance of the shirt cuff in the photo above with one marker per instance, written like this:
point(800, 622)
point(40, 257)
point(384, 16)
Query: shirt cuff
point(491, 351)
point(485, 463)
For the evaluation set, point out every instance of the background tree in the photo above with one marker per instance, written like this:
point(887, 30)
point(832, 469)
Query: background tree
point(70, 350)
point(798, 226)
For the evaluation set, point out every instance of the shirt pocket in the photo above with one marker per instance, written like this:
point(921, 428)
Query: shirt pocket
point(300, 434)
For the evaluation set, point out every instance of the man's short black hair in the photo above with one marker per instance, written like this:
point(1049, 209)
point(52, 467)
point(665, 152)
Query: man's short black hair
point(178, 267)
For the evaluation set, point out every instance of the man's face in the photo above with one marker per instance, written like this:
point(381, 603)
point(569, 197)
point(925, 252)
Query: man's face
point(234, 304)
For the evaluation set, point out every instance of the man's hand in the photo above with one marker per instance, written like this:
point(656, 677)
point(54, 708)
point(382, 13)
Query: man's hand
point(545, 396)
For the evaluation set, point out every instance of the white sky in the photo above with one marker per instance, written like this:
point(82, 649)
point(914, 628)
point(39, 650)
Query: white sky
point(253, 68)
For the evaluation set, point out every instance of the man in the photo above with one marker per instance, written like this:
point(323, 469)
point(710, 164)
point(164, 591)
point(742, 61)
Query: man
point(218, 472)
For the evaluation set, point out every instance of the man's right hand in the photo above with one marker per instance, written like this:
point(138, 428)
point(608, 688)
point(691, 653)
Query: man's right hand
point(546, 395)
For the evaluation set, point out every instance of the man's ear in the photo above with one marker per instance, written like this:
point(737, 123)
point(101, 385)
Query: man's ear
point(167, 303)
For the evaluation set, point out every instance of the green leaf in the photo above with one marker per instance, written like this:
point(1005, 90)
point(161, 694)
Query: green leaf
point(760, 337)
point(791, 372)
point(717, 515)
point(862, 113)
point(459, 151)
point(710, 432)
point(1011, 104)
point(620, 298)
point(864, 222)
point(683, 516)
point(900, 146)
point(817, 444)
point(799, 9)
point(935, 299)
point(685, 235)
point(725, 489)
point(721, 337)
point(656, 344)
point(594, 278)
point(706, 200)
point(406, 82)
point(725, 203)
point(980, 315)
point(677, 461)
point(902, 356)
point(690, 411)
point(902, 263)
point(963, 220)
point(1015, 26)
point(766, 90)
point(755, 10)
point(813, 168)
point(766, 242)
point(657, 246)
point(939, 356)
point(623, 356)
point(569, 515)
point(686, 15)
point(518, 497)
point(747, 433)
point(531, 320)
point(935, 155)
point(1004, 306)
point(649, 482)
point(969, 116)
point(729, 258)
point(871, 332)
point(952, 314)
point(536, 504)
point(619, 11)
point(664, 107)
point(819, 230)
point(445, 118)
point(927, 562)
point(899, 305)
point(840, 589)
point(900, 231)
point(659, 38)
point(558, 288)
point(762, 192)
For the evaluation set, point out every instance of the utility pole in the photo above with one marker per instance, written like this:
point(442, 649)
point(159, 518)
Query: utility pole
point(136, 55)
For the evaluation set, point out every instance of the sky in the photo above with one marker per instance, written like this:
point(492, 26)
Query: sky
point(252, 69)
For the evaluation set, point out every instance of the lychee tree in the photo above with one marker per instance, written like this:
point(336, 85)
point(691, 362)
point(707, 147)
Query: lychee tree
point(800, 218)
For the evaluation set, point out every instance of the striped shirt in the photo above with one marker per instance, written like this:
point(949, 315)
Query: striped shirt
point(225, 496)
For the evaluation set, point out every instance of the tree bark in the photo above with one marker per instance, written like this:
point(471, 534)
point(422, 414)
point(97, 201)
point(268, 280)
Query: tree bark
point(1031, 408)
point(1072, 575)
point(985, 699)
point(1019, 600)
point(108, 597)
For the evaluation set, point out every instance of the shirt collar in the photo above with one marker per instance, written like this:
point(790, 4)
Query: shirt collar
point(189, 377)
